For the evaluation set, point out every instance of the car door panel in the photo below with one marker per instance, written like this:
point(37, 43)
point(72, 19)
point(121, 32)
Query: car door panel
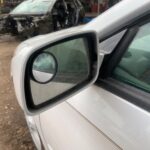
point(66, 129)
point(123, 122)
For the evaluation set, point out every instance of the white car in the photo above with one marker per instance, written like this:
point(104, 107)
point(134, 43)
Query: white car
point(88, 87)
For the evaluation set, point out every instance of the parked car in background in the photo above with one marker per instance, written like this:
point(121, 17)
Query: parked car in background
point(88, 87)
point(34, 17)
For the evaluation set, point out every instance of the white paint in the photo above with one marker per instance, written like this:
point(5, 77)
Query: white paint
point(62, 127)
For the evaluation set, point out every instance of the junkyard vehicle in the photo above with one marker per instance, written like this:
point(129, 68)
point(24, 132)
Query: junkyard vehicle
point(33, 17)
point(88, 87)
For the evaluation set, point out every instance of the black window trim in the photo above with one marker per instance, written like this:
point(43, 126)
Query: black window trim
point(128, 92)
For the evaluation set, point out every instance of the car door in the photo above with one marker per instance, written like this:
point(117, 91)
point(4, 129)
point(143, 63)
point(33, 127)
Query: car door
point(118, 104)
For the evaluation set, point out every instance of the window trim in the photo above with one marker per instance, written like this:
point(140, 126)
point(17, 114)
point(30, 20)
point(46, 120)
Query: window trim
point(128, 92)
point(108, 67)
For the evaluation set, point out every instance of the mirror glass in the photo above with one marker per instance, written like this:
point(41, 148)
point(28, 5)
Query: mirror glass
point(73, 68)
point(44, 67)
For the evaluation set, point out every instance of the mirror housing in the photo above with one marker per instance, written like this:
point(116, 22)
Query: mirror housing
point(24, 57)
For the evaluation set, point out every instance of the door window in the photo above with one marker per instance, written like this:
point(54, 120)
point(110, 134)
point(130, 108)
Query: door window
point(134, 67)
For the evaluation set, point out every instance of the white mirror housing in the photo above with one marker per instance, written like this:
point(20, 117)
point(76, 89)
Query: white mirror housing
point(29, 48)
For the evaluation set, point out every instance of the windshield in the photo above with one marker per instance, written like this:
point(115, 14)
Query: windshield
point(33, 7)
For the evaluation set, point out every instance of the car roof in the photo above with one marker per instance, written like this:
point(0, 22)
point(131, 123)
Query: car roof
point(118, 16)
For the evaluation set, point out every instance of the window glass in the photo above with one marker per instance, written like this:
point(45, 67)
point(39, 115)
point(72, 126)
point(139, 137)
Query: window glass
point(33, 6)
point(134, 67)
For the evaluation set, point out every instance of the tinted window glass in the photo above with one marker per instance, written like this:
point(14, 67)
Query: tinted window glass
point(134, 67)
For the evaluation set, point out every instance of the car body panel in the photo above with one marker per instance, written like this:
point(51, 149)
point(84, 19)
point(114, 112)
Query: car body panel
point(127, 125)
point(122, 121)
point(63, 122)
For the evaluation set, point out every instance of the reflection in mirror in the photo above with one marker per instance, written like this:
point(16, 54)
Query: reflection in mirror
point(44, 67)
point(73, 68)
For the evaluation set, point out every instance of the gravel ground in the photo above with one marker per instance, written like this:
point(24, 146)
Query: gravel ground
point(14, 134)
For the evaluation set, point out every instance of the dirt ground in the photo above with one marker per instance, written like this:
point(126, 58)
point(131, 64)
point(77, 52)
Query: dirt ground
point(14, 134)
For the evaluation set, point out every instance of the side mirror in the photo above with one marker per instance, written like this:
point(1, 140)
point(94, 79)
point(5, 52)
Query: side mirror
point(57, 71)
point(44, 67)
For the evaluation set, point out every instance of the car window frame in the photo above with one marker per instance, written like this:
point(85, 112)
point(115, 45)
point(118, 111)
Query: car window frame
point(128, 92)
